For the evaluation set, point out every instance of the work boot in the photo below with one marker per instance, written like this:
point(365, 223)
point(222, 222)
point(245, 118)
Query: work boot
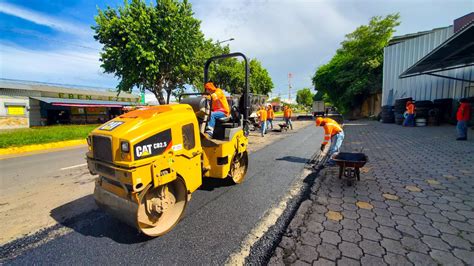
point(461, 139)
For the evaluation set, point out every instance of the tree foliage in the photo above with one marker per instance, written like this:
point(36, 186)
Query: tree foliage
point(304, 97)
point(355, 71)
point(149, 46)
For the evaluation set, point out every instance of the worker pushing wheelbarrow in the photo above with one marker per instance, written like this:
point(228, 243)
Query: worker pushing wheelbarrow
point(349, 163)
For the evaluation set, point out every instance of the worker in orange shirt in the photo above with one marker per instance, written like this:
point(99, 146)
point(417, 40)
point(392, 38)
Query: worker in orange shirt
point(220, 106)
point(270, 116)
point(332, 131)
point(410, 119)
point(287, 113)
point(463, 115)
point(262, 115)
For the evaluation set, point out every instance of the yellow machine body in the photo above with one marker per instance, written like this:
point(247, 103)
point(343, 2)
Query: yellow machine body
point(149, 162)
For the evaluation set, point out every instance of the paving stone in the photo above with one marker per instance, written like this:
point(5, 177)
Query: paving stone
point(462, 226)
point(429, 208)
point(350, 214)
point(287, 244)
point(350, 250)
point(344, 261)
point(445, 228)
point(396, 259)
point(349, 206)
point(369, 233)
point(393, 246)
point(350, 235)
point(389, 232)
point(366, 213)
point(372, 260)
point(300, 263)
point(328, 251)
point(435, 243)
point(332, 226)
point(467, 236)
point(372, 248)
point(421, 259)
point(368, 222)
point(387, 221)
point(445, 258)
point(382, 212)
point(453, 216)
point(427, 229)
point(456, 241)
point(414, 244)
point(319, 209)
point(398, 211)
point(402, 220)
point(330, 237)
point(314, 226)
point(323, 262)
point(306, 253)
point(350, 224)
point(464, 255)
point(335, 207)
point(310, 239)
point(417, 218)
point(437, 217)
point(413, 209)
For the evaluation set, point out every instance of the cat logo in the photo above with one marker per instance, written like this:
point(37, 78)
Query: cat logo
point(144, 150)
point(111, 125)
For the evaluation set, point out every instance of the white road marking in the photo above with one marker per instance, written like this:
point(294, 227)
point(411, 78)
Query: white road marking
point(74, 166)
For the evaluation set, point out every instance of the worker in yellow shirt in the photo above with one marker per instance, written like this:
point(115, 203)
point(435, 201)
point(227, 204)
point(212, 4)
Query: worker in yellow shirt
point(220, 106)
point(262, 115)
point(332, 131)
point(270, 116)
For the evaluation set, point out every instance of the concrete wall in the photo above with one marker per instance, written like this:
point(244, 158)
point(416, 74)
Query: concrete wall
point(400, 56)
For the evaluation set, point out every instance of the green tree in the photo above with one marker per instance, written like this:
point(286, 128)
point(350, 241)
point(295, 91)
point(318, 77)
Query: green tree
point(355, 71)
point(304, 97)
point(150, 46)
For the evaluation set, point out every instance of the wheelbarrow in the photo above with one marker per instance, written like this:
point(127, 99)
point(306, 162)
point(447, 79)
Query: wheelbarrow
point(349, 165)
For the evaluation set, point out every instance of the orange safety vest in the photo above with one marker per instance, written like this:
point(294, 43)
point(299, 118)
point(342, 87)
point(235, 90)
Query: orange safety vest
point(287, 113)
point(410, 108)
point(331, 128)
point(219, 102)
point(262, 114)
point(270, 113)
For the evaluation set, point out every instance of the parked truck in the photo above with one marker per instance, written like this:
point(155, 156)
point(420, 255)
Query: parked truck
point(318, 108)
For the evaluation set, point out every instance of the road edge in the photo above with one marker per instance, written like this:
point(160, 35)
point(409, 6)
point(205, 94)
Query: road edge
point(41, 147)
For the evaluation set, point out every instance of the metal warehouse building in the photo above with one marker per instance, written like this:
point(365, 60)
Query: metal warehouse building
point(25, 104)
point(429, 65)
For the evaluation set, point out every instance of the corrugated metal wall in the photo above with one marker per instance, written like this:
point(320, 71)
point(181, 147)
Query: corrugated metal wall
point(400, 56)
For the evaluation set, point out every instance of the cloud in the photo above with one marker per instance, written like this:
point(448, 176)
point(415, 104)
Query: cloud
point(45, 20)
point(67, 66)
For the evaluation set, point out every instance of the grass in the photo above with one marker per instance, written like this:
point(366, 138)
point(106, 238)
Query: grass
point(41, 135)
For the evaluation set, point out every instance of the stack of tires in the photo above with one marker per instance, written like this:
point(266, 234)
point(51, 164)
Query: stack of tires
point(387, 115)
point(422, 108)
point(445, 107)
point(433, 117)
point(399, 108)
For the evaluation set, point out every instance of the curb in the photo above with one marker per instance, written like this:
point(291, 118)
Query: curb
point(40, 147)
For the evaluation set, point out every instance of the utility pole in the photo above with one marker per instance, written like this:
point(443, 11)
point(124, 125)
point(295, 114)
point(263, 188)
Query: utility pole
point(289, 86)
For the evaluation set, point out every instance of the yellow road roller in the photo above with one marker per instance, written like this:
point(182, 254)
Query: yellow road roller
point(150, 161)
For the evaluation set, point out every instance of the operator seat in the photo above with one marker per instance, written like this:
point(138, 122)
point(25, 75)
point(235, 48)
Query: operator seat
point(201, 107)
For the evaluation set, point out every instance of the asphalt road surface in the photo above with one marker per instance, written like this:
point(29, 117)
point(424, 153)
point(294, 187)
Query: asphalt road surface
point(217, 219)
point(28, 169)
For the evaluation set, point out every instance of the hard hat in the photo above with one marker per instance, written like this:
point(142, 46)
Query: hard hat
point(210, 86)
point(319, 120)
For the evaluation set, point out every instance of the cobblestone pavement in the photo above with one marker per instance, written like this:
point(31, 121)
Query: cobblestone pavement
point(413, 205)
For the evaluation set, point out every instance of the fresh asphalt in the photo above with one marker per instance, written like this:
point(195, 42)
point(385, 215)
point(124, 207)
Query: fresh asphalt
point(217, 219)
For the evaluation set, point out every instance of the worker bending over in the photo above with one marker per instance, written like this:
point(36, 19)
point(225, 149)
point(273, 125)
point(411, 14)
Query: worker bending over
point(220, 106)
point(287, 113)
point(270, 116)
point(262, 115)
point(332, 131)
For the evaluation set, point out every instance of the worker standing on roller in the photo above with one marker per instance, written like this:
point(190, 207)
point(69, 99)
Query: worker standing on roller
point(287, 113)
point(332, 131)
point(270, 116)
point(220, 106)
point(262, 115)
point(410, 119)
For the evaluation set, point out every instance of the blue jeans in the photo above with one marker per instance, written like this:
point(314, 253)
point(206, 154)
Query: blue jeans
point(409, 121)
point(288, 123)
point(270, 123)
point(263, 127)
point(214, 116)
point(336, 143)
point(461, 127)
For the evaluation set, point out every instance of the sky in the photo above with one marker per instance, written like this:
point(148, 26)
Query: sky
point(52, 41)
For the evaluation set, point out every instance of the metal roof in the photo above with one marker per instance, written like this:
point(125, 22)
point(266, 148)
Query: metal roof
point(455, 52)
point(83, 103)
point(49, 87)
